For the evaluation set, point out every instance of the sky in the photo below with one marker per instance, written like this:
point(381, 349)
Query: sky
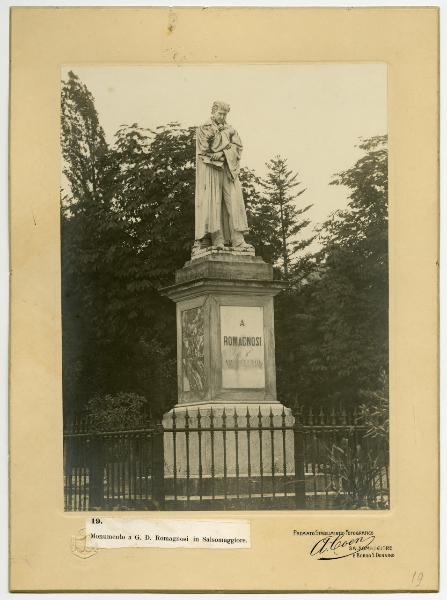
point(311, 114)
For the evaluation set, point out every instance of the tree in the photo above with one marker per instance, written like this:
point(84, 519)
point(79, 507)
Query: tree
point(84, 200)
point(122, 239)
point(332, 328)
point(352, 293)
point(261, 217)
point(280, 212)
point(155, 196)
point(84, 148)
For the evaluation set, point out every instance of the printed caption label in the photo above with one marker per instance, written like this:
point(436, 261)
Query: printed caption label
point(110, 532)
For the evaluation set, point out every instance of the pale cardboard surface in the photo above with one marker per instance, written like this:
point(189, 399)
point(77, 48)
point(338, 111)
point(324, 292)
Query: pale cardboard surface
point(43, 40)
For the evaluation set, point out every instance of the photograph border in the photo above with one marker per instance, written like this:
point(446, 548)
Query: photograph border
point(42, 39)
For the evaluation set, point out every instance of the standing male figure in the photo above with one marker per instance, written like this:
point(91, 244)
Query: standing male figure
point(219, 206)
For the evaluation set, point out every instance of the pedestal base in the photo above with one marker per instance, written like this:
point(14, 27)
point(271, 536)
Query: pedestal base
point(231, 447)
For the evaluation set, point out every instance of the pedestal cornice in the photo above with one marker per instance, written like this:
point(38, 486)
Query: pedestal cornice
point(223, 273)
point(208, 285)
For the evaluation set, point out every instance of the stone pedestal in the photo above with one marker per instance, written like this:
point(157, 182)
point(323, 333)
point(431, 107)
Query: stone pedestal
point(226, 369)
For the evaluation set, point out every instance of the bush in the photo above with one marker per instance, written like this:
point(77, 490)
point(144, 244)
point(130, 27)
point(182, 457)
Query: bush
point(124, 410)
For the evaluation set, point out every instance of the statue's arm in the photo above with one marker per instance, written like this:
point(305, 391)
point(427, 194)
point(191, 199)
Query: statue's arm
point(234, 151)
point(204, 135)
point(235, 139)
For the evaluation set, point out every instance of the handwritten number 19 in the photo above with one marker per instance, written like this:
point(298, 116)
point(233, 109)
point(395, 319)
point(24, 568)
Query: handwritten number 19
point(417, 578)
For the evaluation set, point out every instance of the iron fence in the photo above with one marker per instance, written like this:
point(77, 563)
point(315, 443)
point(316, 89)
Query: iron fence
point(344, 464)
point(210, 459)
point(229, 459)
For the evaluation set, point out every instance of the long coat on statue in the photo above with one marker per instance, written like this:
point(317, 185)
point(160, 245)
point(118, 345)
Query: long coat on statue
point(210, 211)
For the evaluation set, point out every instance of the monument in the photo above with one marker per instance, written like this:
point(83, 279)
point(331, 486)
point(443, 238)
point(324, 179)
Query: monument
point(225, 322)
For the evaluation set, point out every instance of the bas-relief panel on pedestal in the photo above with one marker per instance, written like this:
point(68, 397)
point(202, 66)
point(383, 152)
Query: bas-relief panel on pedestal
point(193, 362)
point(242, 346)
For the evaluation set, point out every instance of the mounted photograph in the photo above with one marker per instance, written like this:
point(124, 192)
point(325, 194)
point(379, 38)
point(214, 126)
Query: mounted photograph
point(224, 265)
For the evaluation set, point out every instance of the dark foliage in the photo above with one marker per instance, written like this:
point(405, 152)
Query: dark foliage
point(333, 325)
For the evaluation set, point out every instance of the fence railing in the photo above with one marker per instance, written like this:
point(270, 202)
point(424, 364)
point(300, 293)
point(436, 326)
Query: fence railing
point(105, 470)
point(343, 465)
point(230, 458)
point(209, 459)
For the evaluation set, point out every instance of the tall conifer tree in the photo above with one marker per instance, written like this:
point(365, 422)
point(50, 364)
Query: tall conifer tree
point(280, 209)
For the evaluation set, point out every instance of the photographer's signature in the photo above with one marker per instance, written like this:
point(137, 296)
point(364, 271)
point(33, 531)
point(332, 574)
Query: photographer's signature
point(333, 547)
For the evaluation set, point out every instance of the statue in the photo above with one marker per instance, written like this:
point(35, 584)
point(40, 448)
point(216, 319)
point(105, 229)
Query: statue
point(220, 217)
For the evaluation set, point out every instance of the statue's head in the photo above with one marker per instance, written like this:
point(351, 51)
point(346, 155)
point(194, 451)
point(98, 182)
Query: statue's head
point(219, 111)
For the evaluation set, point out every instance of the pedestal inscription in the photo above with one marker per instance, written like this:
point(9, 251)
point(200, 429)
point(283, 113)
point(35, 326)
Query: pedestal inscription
point(242, 346)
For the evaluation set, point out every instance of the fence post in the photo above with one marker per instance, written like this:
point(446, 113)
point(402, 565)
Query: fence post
point(158, 467)
point(96, 474)
point(68, 475)
point(300, 491)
